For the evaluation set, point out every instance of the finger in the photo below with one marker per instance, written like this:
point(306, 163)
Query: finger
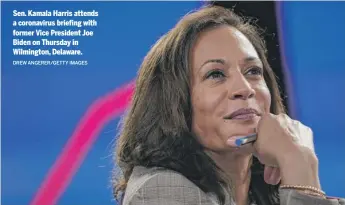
point(267, 174)
point(240, 141)
point(275, 176)
point(290, 126)
point(305, 136)
point(232, 141)
point(286, 116)
point(310, 140)
point(247, 148)
point(264, 117)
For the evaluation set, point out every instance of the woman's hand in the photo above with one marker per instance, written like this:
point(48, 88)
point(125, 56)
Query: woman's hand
point(286, 147)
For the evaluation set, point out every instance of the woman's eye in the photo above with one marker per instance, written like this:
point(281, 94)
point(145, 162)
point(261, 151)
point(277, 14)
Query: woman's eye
point(254, 71)
point(215, 74)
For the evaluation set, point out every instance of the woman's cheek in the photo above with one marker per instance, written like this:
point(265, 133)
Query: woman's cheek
point(264, 96)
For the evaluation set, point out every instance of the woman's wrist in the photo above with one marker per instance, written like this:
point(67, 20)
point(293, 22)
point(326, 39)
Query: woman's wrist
point(299, 167)
point(305, 191)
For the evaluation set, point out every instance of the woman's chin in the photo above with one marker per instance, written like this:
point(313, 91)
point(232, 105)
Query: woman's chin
point(241, 150)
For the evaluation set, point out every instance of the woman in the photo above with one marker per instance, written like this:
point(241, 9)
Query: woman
point(203, 85)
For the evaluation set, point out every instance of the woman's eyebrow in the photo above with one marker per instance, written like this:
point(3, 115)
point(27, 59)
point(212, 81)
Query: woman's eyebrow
point(217, 60)
point(250, 59)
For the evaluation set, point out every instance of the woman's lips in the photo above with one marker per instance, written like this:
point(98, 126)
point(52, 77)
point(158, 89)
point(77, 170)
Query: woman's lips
point(243, 114)
point(248, 116)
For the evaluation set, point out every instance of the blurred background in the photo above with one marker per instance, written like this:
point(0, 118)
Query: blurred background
point(58, 123)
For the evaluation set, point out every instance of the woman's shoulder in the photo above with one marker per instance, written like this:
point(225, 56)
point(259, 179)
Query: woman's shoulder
point(157, 176)
point(157, 185)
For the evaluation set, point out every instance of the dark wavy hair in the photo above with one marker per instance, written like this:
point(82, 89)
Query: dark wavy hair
point(156, 130)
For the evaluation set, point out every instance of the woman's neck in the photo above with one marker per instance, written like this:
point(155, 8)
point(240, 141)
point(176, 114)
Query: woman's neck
point(237, 168)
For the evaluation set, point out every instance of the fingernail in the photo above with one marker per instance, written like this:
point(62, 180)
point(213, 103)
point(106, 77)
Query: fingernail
point(233, 141)
point(273, 176)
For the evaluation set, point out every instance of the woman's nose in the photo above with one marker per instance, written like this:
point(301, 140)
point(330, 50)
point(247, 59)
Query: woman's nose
point(242, 89)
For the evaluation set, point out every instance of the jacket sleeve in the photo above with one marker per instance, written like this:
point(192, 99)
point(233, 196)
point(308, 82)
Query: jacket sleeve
point(293, 197)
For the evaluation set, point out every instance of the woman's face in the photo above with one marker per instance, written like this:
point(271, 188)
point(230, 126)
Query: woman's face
point(227, 76)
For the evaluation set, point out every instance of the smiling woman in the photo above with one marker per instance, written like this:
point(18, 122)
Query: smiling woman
point(228, 94)
point(202, 86)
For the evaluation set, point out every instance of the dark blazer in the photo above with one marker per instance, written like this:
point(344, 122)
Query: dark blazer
point(159, 186)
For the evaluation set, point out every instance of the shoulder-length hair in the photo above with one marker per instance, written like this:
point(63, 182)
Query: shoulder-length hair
point(156, 130)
